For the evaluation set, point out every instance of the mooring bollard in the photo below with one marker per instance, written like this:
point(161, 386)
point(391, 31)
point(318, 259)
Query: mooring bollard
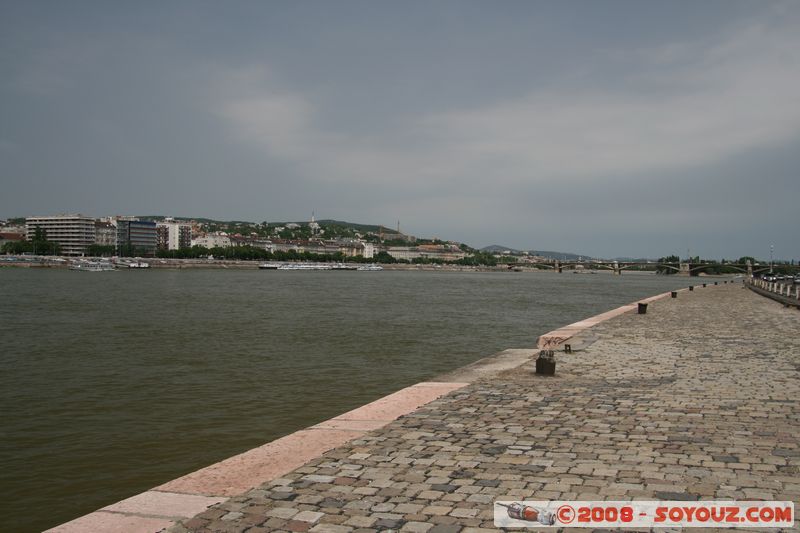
point(642, 308)
point(674, 294)
point(691, 287)
point(716, 283)
point(704, 285)
point(546, 363)
point(567, 348)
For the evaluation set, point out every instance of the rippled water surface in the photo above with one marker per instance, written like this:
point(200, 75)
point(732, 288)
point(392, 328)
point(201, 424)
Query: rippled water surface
point(114, 382)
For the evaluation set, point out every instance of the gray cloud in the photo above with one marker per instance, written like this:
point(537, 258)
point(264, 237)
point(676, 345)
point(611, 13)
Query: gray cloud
point(532, 126)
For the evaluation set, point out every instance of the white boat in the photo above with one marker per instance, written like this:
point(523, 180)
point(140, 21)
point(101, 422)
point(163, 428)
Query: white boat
point(343, 266)
point(135, 264)
point(370, 268)
point(305, 266)
point(92, 266)
point(269, 266)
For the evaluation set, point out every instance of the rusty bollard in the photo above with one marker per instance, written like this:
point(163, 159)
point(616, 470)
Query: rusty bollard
point(704, 285)
point(674, 294)
point(691, 287)
point(546, 363)
point(716, 283)
point(642, 308)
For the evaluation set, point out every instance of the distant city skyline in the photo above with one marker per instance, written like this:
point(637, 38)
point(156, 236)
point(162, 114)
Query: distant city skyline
point(614, 129)
point(316, 223)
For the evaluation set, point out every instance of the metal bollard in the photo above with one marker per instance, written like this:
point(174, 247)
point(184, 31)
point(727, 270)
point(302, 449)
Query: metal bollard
point(716, 283)
point(546, 363)
point(642, 308)
point(674, 294)
point(691, 287)
point(704, 285)
point(567, 348)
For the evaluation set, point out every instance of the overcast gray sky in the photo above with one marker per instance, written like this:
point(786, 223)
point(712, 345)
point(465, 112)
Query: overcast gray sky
point(606, 128)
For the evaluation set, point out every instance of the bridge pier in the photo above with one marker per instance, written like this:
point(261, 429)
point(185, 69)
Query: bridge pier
point(617, 269)
point(685, 270)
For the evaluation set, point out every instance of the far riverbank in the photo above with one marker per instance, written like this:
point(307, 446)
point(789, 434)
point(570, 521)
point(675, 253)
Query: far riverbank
point(47, 262)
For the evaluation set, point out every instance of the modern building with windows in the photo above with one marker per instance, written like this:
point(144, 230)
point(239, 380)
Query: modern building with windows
point(136, 237)
point(105, 234)
point(173, 235)
point(74, 233)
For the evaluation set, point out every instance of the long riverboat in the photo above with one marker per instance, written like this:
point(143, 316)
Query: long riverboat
point(370, 268)
point(92, 266)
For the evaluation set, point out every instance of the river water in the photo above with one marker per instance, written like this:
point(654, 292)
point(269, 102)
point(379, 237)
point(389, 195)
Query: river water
point(114, 382)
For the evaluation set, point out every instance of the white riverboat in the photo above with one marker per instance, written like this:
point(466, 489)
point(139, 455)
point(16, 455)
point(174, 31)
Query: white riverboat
point(134, 264)
point(343, 266)
point(92, 266)
point(305, 266)
point(370, 268)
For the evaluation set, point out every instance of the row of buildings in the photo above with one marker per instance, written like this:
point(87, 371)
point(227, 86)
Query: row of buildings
point(132, 236)
point(76, 233)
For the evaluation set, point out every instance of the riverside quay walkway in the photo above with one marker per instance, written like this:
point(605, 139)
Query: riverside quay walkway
point(697, 399)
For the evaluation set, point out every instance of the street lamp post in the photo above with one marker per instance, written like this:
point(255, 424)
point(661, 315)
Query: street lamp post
point(771, 250)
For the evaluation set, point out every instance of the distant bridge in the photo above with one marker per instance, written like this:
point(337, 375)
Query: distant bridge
point(684, 269)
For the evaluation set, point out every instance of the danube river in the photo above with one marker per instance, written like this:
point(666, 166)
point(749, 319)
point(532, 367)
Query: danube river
point(114, 382)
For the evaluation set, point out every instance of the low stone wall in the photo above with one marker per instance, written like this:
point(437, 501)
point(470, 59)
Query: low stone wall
point(787, 294)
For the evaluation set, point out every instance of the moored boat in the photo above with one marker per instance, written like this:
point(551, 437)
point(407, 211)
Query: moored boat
point(92, 266)
point(370, 268)
point(305, 266)
point(343, 266)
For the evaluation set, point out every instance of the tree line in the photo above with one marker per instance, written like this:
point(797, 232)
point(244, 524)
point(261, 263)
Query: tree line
point(38, 245)
point(251, 253)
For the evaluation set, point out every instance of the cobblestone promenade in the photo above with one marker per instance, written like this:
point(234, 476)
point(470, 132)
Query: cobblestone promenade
point(697, 399)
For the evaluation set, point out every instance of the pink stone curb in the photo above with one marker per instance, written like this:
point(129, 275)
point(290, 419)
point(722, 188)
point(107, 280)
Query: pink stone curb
point(557, 337)
point(163, 504)
point(187, 496)
point(112, 523)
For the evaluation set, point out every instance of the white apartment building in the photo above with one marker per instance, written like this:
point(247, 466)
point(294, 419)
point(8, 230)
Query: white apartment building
point(105, 234)
point(174, 235)
point(73, 232)
point(369, 250)
point(213, 240)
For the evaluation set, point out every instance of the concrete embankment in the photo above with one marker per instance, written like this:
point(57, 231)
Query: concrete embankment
point(696, 399)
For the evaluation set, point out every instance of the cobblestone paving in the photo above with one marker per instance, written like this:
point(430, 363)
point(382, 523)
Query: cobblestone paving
point(697, 399)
